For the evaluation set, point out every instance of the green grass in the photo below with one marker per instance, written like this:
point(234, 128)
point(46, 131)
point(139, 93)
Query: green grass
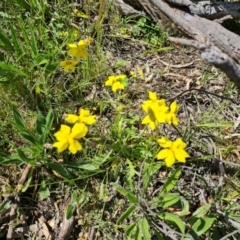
point(115, 187)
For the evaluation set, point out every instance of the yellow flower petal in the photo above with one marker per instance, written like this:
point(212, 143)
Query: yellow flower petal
point(71, 118)
point(146, 120)
point(178, 143)
point(120, 77)
point(163, 154)
point(74, 146)
point(79, 130)
point(116, 86)
point(152, 96)
point(65, 129)
point(109, 82)
point(165, 142)
point(86, 118)
point(181, 155)
point(170, 159)
point(174, 107)
point(72, 45)
point(61, 146)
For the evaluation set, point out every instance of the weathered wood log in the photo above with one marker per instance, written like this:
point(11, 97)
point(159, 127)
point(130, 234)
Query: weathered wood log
point(215, 38)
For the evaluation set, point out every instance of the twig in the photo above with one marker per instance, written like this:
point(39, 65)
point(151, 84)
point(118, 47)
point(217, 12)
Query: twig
point(13, 214)
point(67, 227)
point(229, 235)
point(201, 90)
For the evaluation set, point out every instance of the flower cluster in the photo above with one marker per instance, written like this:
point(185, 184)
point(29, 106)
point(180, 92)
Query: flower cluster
point(172, 151)
point(158, 112)
point(77, 51)
point(116, 82)
point(67, 137)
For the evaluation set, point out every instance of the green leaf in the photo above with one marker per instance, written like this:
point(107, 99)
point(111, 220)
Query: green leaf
point(60, 170)
point(185, 205)
point(23, 4)
point(18, 120)
point(82, 165)
point(70, 211)
point(5, 40)
point(10, 68)
point(7, 159)
point(49, 121)
point(28, 136)
point(145, 229)
point(126, 214)
point(27, 184)
point(173, 218)
point(148, 170)
point(171, 182)
point(120, 63)
point(75, 197)
point(40, 124)
point(125, 193)
point(200, 212)
point(5, 205)
point(131, 198)
point(24, 158)
point(203, 224)
point(168, 199)
point(44, 191)
point(101, 192)
point(130, 229)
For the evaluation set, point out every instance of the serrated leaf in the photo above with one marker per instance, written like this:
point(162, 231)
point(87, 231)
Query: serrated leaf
point(70, 210)
point(126, 214)
point(200, 212)
point(171, 182)
point(145, 229)
point(173, 218)
point(203, 224)
point(44, 191)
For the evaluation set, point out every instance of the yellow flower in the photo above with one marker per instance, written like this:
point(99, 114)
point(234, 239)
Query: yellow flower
point(172, 151)
point(66, 137)
point(156, 110)
point(79, 50)
point(68, 65)
point(153, 100)
point(116, 82)
point(155, 114)
point(84, 117)
point(171, 116)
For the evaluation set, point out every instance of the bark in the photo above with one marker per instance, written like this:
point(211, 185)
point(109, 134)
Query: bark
point(216, 44)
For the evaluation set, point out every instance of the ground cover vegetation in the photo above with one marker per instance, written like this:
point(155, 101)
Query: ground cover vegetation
point(108, 131)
